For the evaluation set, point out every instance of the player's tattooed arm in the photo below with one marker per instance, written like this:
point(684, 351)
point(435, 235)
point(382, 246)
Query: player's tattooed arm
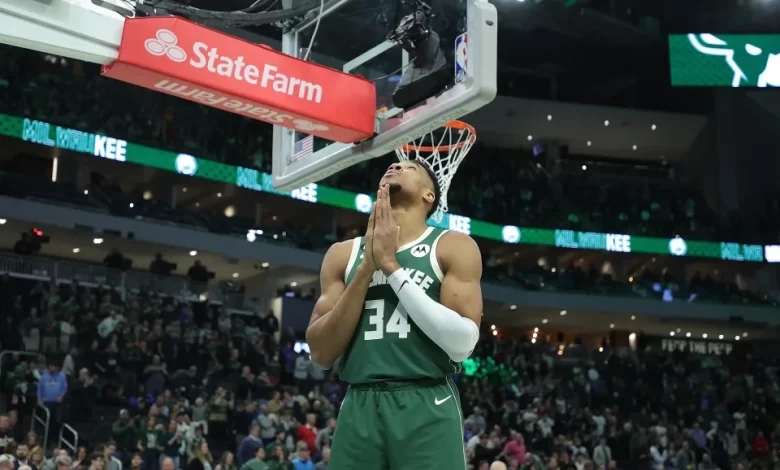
point(337, 312)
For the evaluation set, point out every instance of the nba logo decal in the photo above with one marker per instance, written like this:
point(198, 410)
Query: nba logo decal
point(461, 58)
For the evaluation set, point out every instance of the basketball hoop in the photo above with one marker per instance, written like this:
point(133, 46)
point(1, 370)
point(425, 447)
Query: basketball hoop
point(442, 150)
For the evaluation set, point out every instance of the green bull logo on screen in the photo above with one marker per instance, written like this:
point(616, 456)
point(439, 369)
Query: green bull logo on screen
point(731, 60)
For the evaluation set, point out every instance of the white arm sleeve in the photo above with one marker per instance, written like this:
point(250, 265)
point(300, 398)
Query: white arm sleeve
point(455, 334)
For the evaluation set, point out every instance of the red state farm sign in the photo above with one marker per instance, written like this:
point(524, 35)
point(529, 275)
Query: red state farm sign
point(184, 59)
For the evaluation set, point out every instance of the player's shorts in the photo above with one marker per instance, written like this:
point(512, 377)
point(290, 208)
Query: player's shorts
point(400, 425)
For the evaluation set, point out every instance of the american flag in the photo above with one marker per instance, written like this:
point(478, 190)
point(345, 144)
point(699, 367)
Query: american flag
point(304, 147)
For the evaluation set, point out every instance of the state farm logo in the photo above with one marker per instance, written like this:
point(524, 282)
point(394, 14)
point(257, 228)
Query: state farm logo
point(165, 43)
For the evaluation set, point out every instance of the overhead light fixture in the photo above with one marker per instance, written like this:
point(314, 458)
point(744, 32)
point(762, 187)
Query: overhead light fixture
point(601, 349)
point(265, 265)
point(184, 189)
point(533, 340)
point(86, 192)
point(671, 333)
point(606, 123)
point(634, 147)
point(612, 325)
point(3, 221)
point(678, 330)
point(197, 204)
point(530, 137)
point(688, 334)
point(230, 211)
point(97, 241)
point(653, 127)
point(633, 317)
point(76, 250)
point(563, 312)
point(589, 143)
point(492, 327)
point(536, 330)
point(147, 195)
point(293, 284)
point(549, 117)
point(552, 270)
point(744, 335)
point(219, 194)
point(544, 320)
point(704, 335)
point(495, 333)
point(513, 307)
point(193, 253)
point(132, 205)
point(235, 275)
point(584, 167)
point(736, 337)
point(720, 337)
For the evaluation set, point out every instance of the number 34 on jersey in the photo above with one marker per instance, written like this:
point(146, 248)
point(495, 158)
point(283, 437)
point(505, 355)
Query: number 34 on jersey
point(398, 323)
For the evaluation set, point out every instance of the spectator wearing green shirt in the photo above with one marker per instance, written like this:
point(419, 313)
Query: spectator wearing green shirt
point(148, 444)
point(279, 460)
point(123, 433)
point(280, 441)
point(170, 443)
point(257, 463)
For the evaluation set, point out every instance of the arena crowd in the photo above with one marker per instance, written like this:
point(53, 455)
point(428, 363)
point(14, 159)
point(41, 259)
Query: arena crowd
point(191, 387)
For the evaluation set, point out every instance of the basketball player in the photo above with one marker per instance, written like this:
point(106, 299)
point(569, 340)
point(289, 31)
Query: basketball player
point(401, 307)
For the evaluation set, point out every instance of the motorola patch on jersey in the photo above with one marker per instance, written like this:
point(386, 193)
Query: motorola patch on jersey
point(420, 250)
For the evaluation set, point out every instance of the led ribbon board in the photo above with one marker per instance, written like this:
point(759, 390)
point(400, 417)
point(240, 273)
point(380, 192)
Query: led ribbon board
point(96, 145)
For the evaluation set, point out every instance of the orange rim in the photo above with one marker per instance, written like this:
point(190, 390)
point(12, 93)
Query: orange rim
point(459, 125)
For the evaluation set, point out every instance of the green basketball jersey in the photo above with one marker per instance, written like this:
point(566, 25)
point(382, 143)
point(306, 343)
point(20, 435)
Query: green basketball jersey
point(387, 344)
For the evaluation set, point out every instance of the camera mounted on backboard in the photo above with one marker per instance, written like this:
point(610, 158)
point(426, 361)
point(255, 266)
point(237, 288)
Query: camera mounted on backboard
point(413, 28)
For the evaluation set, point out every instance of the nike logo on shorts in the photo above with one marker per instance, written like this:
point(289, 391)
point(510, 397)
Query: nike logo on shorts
point(439, 402)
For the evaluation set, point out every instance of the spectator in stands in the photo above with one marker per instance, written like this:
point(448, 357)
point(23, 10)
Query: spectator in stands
point(249, 445)
point(149, 444)
point(198, 273)
point(52, 387)
point(325, 436)
point(201, 458)
point(6, 462)
point(63, 462)
point(324, 459)
point(6, 433)
point(302, 461)
point(227, 462)
point(116, 260)
point(219, 407)
point(307, 432)
point(25, 246)
point(123, 433)
point(109, 455)
point(23, 456)
point(96, 461)
point(256, 463)
point(172, 441)
point(160, 266)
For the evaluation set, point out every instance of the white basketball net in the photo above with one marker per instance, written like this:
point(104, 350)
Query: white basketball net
point(450, 146)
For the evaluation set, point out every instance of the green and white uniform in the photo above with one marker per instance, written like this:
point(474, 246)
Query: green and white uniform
point(402, 410)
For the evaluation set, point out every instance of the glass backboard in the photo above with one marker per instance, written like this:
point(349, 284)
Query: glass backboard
point(352, 37)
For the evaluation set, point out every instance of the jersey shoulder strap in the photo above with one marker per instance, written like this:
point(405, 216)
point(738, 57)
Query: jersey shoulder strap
point(357, 244)
point(434, 257)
